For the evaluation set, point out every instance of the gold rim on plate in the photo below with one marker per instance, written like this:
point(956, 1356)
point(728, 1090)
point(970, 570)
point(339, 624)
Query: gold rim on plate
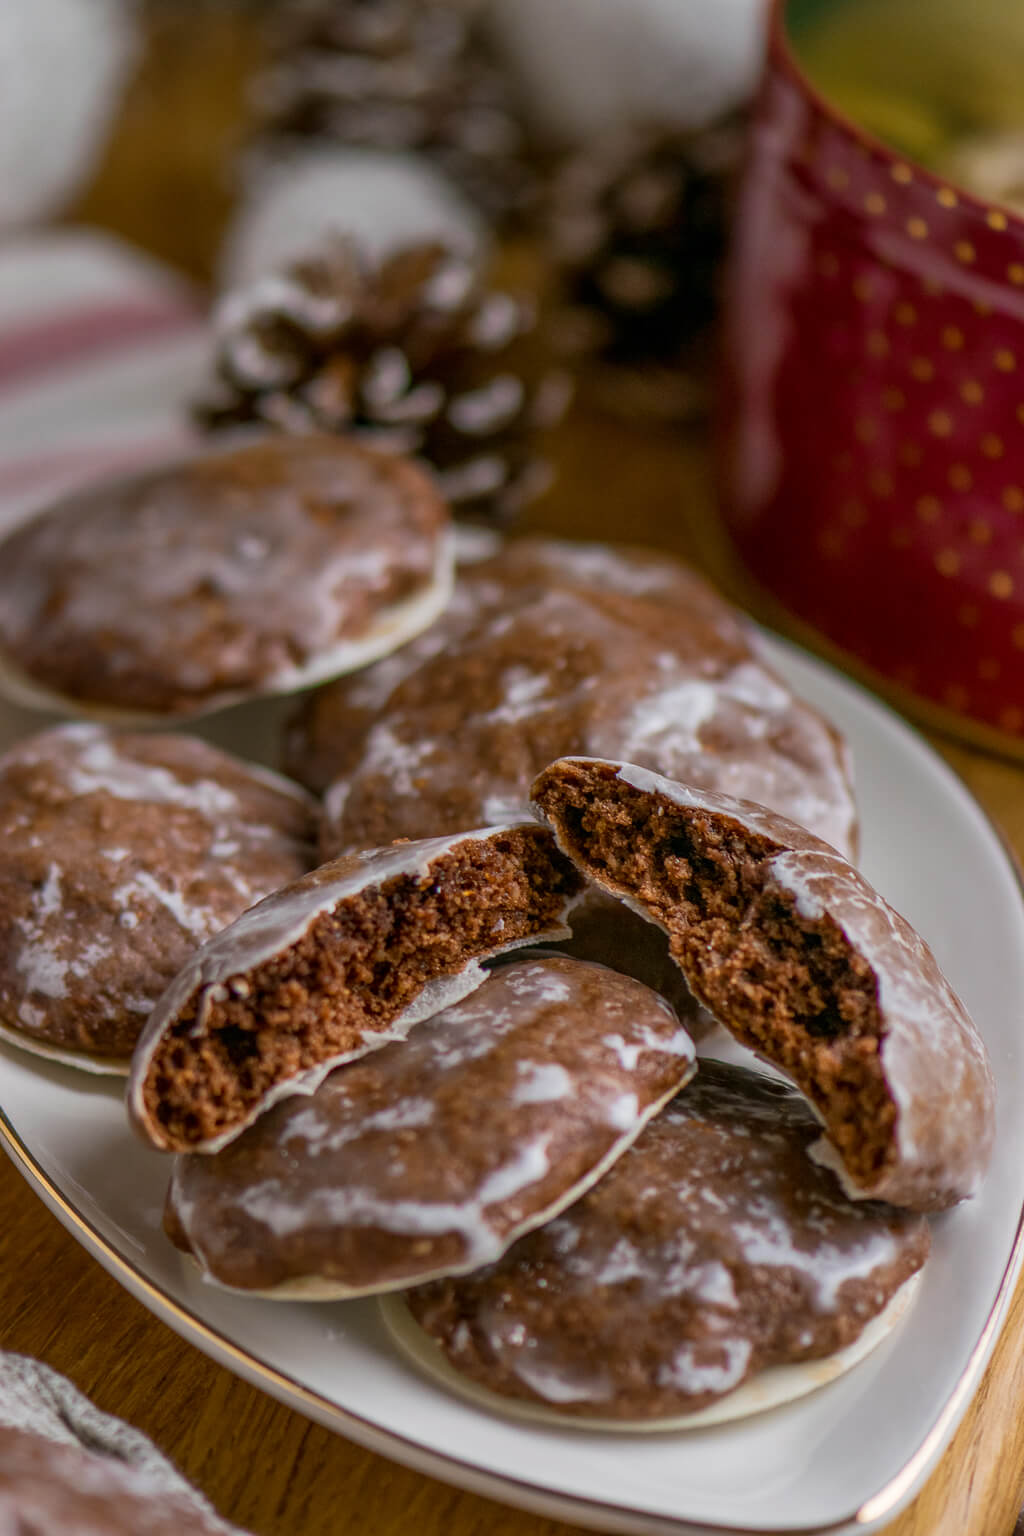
point(465, 1474)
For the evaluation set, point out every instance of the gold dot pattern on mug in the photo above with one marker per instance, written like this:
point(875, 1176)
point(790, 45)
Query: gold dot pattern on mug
point(896, 524)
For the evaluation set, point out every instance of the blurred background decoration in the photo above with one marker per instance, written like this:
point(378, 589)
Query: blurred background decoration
point(636, 232)
point(165, 179)
point(937, 80)
point(577, 162)
point(589, 152)
point(63, 64)
point(873, 425)
point(412, 351)
point(399, 75)
point(584, 155)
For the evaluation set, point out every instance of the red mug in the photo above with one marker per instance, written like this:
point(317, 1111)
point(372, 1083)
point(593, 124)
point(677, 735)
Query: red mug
point(871, 470)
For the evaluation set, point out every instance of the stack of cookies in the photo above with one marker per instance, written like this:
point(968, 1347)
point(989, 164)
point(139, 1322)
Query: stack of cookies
point(419, 1019)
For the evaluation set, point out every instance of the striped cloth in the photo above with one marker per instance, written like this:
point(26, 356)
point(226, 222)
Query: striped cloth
point(100, 349)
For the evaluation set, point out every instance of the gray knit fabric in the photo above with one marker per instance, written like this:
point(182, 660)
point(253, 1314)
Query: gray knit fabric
point(34, 1397)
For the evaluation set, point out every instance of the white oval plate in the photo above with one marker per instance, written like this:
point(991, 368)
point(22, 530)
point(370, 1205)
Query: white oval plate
point(847, 1457)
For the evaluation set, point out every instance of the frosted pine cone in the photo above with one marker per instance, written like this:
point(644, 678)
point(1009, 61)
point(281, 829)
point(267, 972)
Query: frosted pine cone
point(400, 75)
point(413, 352)
point(637, 235)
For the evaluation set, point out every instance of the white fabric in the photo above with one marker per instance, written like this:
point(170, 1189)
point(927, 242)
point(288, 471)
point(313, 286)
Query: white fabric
point(590, 69)
point(62, 67)
point(380, 200)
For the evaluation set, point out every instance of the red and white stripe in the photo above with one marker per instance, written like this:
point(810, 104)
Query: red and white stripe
point(100, 351)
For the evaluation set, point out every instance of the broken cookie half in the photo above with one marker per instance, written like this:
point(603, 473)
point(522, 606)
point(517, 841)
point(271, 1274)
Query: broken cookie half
point(337, 964)
point(793, 951)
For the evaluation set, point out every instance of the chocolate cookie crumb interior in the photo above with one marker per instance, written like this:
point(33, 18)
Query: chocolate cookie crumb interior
point(356, 968)
point(791, 987)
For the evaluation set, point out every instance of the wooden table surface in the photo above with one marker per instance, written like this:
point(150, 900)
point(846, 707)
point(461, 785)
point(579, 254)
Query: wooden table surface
point(265, 1467)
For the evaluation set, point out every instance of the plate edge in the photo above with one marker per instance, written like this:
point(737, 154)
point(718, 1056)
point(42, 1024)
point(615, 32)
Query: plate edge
point(885, 1504)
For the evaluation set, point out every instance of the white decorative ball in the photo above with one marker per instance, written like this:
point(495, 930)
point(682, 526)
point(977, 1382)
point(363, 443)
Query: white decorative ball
point(588, 69)
point(62, 66)
point(381, 200)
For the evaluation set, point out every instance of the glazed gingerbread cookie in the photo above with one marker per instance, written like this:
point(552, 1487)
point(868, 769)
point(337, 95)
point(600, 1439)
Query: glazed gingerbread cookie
point(713, 1250)
point(433, 1155)
point(253, 570)
point(549, 649)
point(121, 855)
point(337, 964)
point(789, 947)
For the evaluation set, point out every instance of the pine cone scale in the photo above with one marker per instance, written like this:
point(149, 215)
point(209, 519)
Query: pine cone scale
point(414, 78)
point(637, 236)
point(423, 361)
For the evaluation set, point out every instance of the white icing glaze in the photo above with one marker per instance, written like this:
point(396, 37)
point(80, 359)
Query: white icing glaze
point(628, 1052)
point(97, 767)
point(336, 1161)
point(622, 1112)
point(930, 1045)
point(769, 1243)
point(521, 689)
point(62, 951)
point(623, 1263)
point(691, 1374)
point(327, 656)
point(666, 731)
point(541, 1083)
point(659, 1234)
point(553, 1386)
point(825, 1155)
point(536, 617)
point(634, 572)
point(362, 1207)
point(317, 1135)
point(42, 969)
point(931, 1052)
point(473, 544)
point(144, 886)
point(763, 1238)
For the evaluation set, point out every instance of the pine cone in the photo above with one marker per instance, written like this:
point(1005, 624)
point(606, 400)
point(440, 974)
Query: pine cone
point(413, 353)
point(401, 75)
point(637, 233)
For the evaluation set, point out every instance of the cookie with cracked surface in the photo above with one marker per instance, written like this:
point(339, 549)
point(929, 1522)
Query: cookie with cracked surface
point(390, 1174)
point(550, 649)
point(255, 570)
point(713, 1250)
point(122, 854)
point(338, 964)
point(790, 948)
